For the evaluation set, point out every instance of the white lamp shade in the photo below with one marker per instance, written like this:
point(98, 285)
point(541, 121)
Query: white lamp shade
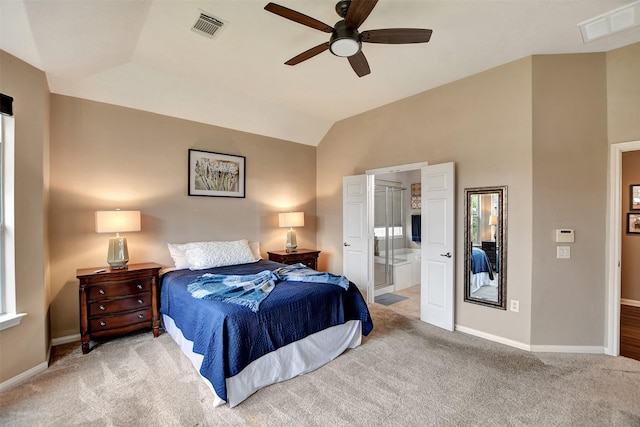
point(117, 221)
point(493, 220)
point(291, 219)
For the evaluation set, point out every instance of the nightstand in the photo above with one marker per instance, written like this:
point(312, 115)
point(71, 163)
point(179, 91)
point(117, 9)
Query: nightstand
point(118, 301)
point(306, 256)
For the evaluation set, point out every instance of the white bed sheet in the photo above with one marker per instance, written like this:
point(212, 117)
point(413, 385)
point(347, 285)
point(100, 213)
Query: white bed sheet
point(479, 280)
point(295, 359)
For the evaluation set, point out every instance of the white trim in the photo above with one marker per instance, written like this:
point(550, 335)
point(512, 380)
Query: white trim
point(614, 246)
point(399, 168)
point(65, 340)
point(567, 349)
point(10, 320)
point(631, 302)
point(12, 382)
point(494, 338)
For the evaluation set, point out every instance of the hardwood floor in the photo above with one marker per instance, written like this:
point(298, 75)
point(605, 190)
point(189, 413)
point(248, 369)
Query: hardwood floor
point(630, 331)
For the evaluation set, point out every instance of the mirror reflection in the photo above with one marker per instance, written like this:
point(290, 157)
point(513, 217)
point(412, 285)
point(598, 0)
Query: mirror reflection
point(485, 247)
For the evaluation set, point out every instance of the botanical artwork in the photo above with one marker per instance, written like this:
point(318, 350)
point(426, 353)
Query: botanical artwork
point(216, 174)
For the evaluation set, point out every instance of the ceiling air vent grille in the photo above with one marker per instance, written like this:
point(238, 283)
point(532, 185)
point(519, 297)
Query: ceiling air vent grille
point(208, 25)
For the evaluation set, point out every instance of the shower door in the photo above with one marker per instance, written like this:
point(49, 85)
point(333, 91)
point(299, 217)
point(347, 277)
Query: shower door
point(389, 235)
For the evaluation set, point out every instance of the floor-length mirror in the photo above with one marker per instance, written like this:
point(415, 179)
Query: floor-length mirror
point(485, 234)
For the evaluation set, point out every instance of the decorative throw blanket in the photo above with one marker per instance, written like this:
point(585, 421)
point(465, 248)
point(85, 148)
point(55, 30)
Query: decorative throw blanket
point(251, 290)
point(301, 273)
point(247, 290)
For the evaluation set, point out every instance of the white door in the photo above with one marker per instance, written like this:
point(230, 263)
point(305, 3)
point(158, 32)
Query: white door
point(438, 247)
point(355, 231)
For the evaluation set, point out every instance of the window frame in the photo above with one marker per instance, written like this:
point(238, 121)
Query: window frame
point(8, 305)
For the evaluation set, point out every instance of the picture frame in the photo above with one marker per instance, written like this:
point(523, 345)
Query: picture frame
point(214, 174)
point(633, 223)
point(635, 197)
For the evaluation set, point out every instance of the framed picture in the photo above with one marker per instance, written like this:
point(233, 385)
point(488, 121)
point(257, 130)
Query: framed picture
point(635, 196)
point(633, 223)
point(216, 174)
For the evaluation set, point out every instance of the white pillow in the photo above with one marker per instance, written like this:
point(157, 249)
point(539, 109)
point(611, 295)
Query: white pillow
point(201, 255)
point(180, 260)
point(255, 249)
point(177, 254)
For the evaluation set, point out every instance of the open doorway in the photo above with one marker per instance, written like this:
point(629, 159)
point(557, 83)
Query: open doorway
point(437, 237)
point(618, 210)
point(397, 236)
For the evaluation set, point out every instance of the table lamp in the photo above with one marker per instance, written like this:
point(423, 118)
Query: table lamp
point(493, 221)
point(117, 222)
point(290, 220)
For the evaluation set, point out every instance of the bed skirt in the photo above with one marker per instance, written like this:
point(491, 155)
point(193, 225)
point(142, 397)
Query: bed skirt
point(294, 359)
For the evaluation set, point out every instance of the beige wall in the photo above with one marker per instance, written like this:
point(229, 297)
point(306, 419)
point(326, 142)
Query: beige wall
point(630, 268)
point(623, 94)
point(25, 346)
point(569, 191)
point(483, 124)
point(106, 157)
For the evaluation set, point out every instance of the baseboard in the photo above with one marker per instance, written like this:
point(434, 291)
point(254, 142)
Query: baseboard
point(65, 340)
point(567, 349)
point(494, 338)
point(533, 348)
point(11, 382)
point(631, 302)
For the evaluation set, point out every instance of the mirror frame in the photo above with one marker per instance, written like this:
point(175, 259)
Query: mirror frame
point(501, 243)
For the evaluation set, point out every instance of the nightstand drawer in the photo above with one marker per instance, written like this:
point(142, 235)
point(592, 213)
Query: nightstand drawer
point(114, 322)
point(119, 289)
point(101, 308)
point(307, 257)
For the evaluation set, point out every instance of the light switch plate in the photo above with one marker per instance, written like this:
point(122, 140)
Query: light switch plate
point(563, 252)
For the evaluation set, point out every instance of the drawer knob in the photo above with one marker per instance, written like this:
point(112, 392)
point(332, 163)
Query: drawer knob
point(141, 316)
point(139, 287)
point(103, 323)
point(102, 307)
point(101, 291)
point(141, 301)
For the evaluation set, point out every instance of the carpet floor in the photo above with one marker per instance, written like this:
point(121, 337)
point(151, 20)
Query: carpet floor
point(406, 373)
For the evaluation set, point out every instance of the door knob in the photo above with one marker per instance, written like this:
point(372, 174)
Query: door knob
point(448, 254)
point(346, 244)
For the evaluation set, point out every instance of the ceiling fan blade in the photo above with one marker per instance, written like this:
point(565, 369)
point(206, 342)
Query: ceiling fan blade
point(358, 11)
point(359, 64)
point(298, 17)
point(308, 54)
point(396, 36)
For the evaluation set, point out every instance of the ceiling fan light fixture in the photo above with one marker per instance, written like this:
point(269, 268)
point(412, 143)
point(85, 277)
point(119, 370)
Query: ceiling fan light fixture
point(344, 41)
point(345, 47)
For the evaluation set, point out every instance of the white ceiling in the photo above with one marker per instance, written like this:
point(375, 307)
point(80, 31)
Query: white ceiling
point(142, 54)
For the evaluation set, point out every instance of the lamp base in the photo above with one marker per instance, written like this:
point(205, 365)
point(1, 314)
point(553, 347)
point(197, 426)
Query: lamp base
point(118, 255)
point(292, 243)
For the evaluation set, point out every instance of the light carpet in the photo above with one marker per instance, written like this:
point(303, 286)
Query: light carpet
point(406, 373)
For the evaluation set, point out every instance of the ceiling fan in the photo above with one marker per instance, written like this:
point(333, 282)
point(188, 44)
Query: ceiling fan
point(345, 39)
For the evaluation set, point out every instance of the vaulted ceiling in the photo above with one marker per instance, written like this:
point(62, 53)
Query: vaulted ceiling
point(143, 54)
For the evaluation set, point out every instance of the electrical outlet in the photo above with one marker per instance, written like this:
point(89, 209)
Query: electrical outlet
point(515, 305)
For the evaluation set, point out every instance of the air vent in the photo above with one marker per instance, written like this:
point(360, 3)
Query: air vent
point(208, 25)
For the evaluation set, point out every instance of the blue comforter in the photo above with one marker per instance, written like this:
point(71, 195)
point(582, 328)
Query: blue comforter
point(480, 262)
point(231, 336)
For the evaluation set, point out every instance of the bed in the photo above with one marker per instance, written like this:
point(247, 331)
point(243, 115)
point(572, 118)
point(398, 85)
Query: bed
point(299, 327)
point(481, 272)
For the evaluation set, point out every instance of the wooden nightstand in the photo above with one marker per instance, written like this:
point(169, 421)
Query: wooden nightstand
point(305, 256)
point(118, 301)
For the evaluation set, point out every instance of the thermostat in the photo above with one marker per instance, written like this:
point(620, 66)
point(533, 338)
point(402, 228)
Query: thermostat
point(565, 235)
